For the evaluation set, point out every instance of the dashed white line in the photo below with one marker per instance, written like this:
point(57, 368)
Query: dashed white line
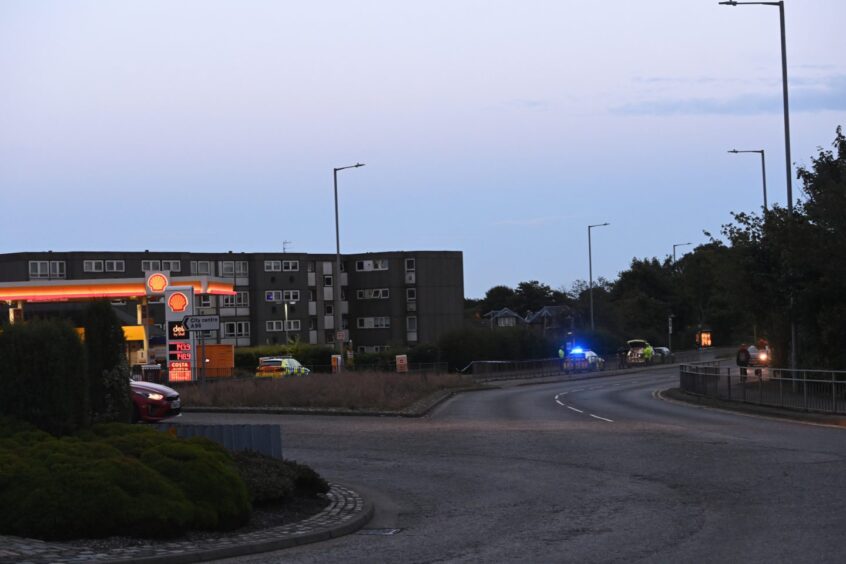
point(574, 409)
point(598, 417)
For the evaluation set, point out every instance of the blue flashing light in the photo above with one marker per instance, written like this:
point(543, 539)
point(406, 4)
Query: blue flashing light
point(577, 350)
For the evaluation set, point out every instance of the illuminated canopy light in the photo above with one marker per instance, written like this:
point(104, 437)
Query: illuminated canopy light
point(54, 291)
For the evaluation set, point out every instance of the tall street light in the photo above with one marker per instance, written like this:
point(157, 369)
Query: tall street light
point(763, 169)
point(674, 249)
point(787, 161)
point(590, 270)
point(337, 277)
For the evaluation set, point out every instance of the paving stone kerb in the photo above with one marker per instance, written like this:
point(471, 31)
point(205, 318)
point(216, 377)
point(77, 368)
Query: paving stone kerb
point(346, 513)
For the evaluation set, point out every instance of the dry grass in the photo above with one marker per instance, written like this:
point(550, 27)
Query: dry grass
point(350, 390)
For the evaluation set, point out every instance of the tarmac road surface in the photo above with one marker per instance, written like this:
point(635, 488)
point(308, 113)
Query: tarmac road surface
point(597, 470)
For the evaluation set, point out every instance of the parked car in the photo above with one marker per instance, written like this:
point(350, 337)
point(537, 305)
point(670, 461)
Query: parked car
point(640, 352)
point(583, 359)
point(153, 402)
point(663, 354)
point(280, 366)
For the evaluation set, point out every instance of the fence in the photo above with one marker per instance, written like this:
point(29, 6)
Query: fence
point(806, 390)
point(266, 439)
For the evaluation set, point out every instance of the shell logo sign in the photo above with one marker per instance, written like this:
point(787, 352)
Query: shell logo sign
point(157, 283)
point(177, 302)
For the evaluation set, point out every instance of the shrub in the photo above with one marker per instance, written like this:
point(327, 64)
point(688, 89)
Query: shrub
point(116, 479)
point(209, 478)
point(108, 373)
point(66, 488)
point(42, 375)
point(274, 481)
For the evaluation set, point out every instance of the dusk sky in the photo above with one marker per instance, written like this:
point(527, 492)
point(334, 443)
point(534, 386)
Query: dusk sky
point(499, 128)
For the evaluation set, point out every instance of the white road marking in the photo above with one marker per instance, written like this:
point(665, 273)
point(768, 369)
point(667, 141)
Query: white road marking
point(598, 417)
point(559, 402)
point(573, 408)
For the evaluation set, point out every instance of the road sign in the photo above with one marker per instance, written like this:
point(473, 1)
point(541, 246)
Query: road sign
point(341, 336)
point(202, 322)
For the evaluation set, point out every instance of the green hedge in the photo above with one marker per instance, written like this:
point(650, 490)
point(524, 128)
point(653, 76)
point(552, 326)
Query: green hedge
point(108, 372)
point(42, 376)
point(116, 479)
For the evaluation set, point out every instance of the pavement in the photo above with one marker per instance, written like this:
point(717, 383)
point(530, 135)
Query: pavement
point(346, 513)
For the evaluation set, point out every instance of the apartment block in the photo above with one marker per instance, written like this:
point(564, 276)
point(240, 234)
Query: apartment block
point(388, 299)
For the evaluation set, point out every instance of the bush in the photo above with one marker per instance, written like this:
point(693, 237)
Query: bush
point(273, 481)
point(42, 375)
point(208, 477)
point(108, 373)
point(116, 480)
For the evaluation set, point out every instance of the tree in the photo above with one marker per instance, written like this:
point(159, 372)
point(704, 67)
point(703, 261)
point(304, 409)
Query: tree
point(108, 372)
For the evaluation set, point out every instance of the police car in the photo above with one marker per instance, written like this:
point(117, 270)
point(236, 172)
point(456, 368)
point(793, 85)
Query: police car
point(583, 359)
point(279, 367)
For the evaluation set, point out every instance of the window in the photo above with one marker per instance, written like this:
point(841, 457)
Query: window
point(115, 266)
point(409, 265)
point(311, 296)
point(368, 265)
point(201, 267)
point(312, 323)
point(172, 265)
point(373, 322)
point(506, 322)
point(92, 266)
point(236, 329)
point(411, 323)
point(39, 269)
point(273, 296)
point(373, 294)
point(46, 269)
point(241, 299)
point(148, 265)
point(241, 267)
point(272, 266)
point(227, 268)
point(293, 324)
point(291, 295)
point(311, 266)
point(274, 326)
point(411, 294)
point(327, 281)
point(203, 300)
point(290, 265)
point(329, 309)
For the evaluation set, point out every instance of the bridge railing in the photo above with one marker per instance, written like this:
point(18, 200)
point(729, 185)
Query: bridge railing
point(821, 391)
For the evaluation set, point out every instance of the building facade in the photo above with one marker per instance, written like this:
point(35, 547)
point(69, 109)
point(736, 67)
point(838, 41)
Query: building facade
point(388, 299)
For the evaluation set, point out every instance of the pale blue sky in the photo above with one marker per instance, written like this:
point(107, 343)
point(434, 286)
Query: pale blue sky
point(500, 128)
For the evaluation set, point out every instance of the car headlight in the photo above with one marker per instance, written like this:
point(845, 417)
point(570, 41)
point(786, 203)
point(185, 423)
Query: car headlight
point(151, 395)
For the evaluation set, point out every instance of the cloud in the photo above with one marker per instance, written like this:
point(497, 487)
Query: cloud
point(823, 94)
point(528, 104)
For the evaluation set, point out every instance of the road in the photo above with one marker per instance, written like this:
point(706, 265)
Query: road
point(596, 470)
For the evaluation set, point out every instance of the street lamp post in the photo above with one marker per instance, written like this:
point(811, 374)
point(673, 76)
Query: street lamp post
point(286, 322)
point(788, 163)
point(337, 277)
point(590, 270)
point(763, 169)
point(674, 250)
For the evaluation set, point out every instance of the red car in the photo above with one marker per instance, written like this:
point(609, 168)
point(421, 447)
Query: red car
point(153, 402)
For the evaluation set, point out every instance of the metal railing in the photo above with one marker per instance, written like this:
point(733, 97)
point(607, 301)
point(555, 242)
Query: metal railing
point(821, 391)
